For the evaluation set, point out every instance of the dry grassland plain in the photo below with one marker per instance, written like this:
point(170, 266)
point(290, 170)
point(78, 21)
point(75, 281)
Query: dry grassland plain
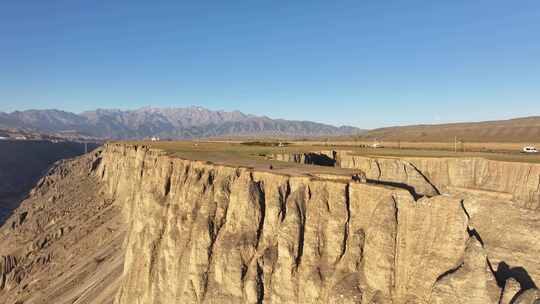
point(256, 154)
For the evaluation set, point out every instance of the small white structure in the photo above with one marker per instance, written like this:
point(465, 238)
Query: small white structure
point(376, 144)
point(154, 138)
point(20, 138)
point(529, 149)
point(3, 138)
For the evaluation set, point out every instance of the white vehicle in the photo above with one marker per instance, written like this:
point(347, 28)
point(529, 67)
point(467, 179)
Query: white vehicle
point(529, 149)
point(376, 144)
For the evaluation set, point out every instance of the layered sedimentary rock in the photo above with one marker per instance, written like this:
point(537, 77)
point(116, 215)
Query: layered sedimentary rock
point(204, 233)
point(472, 282)
point(530, 296)
point(519, 182)
point(499, 180)
point(197, 232)
point(510, 291)
point(391, 172)
point(509, 233)
point(22, 163)
point(64, 243)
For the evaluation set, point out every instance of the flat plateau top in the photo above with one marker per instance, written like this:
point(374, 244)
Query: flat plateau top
point(256, 154)
point(245, 155)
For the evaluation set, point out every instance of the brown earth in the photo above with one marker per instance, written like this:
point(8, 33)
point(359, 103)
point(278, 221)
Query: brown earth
point(63, 244)
point(201, 232)
point(513, 130)
point(23, 162)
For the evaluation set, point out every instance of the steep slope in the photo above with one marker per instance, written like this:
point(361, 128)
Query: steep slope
point(498, 180)
point(23, 162)
point(511, 181)
point(198, 232)
point(192, 122)
point(63, 244)
point(203, 233)
point(472, 282)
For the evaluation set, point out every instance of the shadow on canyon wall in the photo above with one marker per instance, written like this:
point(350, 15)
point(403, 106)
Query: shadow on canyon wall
point(319, 160)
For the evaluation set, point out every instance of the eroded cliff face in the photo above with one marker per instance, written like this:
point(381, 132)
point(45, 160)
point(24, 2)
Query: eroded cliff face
point(195, 232)
point(22, 163)
point(498, 180)
point(204, 233)
point(63, 245)
point(518, 182)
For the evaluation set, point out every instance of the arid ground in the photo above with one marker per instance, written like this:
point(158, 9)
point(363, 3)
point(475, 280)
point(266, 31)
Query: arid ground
point(260, 222)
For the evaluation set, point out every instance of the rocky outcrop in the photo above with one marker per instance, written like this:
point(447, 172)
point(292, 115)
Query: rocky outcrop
point(510, 236)
point(198, 232)
point(530, 296)
point(63, 244)
point(391, 172)
point(204, 233)
point(431, 240)
point(499, 180)
point(23, 162)
point(519, 182)
point(510, 291)
point(7, 264)
point(472, 282)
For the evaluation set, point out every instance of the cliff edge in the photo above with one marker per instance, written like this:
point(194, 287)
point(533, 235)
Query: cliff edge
point(197, 232)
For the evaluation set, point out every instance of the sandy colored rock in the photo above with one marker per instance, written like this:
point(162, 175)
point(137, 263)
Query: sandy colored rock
point(277, 238)
point(221, 235)
point(517, 181)
point(530, 296)
point(393, 172)
point(431, 239)
point(197, 232)
point(514, 181)
point(510, 236)
point(63, 244)
point(511, 289)
point(472, 282)
point(373, 216)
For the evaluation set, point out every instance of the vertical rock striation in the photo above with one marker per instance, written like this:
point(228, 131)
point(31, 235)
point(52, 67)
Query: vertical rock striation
point(499, 180)
point(197, 232)
point(204, 233)
point(519, 182)
point(472, 282)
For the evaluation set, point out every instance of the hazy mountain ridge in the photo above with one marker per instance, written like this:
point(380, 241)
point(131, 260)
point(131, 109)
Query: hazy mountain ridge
point(191, 122)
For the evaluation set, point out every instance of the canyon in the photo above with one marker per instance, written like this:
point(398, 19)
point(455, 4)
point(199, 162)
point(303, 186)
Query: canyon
point(515, 181)
point(23, 162)
point(129, 223)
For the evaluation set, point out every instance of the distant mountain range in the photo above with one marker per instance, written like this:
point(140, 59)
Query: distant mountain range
point(174, 123)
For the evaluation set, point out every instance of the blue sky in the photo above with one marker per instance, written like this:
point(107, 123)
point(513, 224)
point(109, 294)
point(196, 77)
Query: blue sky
point(363, 63)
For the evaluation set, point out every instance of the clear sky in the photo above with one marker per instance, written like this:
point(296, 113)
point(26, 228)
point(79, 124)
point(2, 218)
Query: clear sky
point(363, 63)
